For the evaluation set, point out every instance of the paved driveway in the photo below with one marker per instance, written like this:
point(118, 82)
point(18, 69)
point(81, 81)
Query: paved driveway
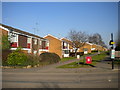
point(101, 76)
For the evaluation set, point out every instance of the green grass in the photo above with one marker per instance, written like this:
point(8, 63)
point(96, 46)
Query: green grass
point(99, 57)
point(80, 64)
point(67, 58)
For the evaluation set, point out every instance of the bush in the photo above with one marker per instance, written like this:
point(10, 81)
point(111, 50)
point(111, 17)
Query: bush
point(5, 42)
point(95, 51)
point(33, 59)
point(5, 54)
point(17, 58)
point(49, 57)
point(78, 53)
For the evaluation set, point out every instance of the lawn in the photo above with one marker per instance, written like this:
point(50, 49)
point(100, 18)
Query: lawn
point(67, 58)
point(80, 63)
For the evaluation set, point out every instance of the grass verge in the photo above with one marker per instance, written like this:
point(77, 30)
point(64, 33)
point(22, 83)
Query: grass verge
point(67, 58)
point(80, 63)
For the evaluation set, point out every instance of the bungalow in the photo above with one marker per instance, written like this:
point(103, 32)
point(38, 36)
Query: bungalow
point(29, 43)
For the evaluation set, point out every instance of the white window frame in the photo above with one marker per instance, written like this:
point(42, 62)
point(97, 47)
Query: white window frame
point(40, 42)
point(28, 40)
point(35, 41)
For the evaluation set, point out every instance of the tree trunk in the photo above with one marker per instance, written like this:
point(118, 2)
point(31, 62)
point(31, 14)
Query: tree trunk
point(76, 52)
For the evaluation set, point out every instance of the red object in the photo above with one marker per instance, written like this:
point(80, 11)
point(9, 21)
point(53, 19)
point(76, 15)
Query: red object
point(88, 60)
point(47, 48)
point(14, 44)
point(28, 45)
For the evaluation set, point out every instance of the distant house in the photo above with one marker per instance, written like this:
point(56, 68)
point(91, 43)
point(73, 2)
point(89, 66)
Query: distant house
point(87, 48)
point(29, 43)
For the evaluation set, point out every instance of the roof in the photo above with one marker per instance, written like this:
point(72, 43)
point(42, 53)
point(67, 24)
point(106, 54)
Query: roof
point(20, 31)
point(65, 39)
point(52, 36)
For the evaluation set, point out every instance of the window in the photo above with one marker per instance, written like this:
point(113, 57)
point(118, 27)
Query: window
point(28, 40)
point(35, 41)
point(22, 41)
point(66, 51)
point(65, 44)
point(47, 43)
point(14, 38)
point(40, 42)
point(43, 44)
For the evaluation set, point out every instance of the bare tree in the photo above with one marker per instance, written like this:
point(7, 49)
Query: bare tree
point(78, 39)
point(96, 39)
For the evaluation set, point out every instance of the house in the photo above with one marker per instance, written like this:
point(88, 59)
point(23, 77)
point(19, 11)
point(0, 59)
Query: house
point(98, 48)
point(29, 43)
point(55, 45)
point(66, 47)
point(62, 46)
point(87, 48)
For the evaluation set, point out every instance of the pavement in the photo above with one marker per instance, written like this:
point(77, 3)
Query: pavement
point(101, 76)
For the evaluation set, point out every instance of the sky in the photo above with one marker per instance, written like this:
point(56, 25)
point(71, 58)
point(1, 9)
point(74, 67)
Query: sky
point(58, 18)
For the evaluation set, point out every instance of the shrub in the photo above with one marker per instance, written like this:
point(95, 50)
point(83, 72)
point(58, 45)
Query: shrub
point(33, 59)
point(5, 42)
point(78, 53)
point(5, 54)
point(95, 51)
point(17, 58)
point(49, 57)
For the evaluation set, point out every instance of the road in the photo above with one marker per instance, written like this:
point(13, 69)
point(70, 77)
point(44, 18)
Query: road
point(60, 80)
point(101, 76)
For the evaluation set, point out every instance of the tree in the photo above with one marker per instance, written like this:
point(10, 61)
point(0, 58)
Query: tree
point(78, 39)
point(96, 39)
point(5, 42)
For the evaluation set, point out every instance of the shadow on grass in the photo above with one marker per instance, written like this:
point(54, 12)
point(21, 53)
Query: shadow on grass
point(86, 64)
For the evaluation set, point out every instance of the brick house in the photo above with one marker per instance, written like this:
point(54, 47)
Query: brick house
point(55, 45)
point(87, 48)
point(29, 43)
point(66, 47)
point(61, 46)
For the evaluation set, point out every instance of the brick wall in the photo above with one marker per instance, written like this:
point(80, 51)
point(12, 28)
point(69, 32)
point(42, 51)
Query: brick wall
point(55, 45)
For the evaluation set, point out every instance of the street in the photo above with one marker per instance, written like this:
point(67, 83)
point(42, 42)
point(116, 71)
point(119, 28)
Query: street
point(60, 80)
point(101, 76)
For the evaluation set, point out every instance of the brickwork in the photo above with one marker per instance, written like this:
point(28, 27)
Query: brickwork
point(55, 45)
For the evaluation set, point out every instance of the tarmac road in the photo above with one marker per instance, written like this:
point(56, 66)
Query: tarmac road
point(60, 80)
point(101, 76)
